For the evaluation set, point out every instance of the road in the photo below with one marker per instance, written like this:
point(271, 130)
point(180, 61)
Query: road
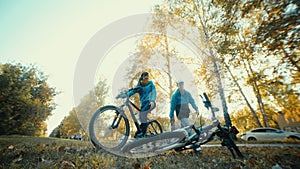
point(256, 145)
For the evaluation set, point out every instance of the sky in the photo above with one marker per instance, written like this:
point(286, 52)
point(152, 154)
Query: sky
point(52, 35)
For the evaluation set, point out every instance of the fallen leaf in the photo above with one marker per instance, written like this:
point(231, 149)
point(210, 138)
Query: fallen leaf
point(147, 167)
point(67, 164)
point(10, 147)
point(137, 165)
point(61, 148)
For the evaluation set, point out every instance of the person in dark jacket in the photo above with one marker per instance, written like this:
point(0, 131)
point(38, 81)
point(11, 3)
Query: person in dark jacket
point(147, 91)
point(180, 104)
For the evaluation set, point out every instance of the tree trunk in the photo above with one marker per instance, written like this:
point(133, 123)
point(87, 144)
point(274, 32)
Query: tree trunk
point(168, 66)
point(243, 95)
point(259, 99)
point(216, 70)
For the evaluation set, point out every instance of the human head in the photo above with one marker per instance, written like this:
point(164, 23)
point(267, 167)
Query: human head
point(180, 85)
point(144, 79)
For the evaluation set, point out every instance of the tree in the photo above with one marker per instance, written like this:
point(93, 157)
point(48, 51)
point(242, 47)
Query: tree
point(277, 33)
point(70, 125)
point(78, 118)
point(91, 102)
point(234, 53)
point(197, 16)
point(267, 47)
point(26, 100)
point(56, 132)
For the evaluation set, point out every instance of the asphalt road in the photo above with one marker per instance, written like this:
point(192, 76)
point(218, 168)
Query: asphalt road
point(256, 145)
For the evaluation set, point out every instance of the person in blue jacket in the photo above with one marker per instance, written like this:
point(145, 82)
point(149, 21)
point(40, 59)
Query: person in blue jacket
point(147, 91)
point(180, 104)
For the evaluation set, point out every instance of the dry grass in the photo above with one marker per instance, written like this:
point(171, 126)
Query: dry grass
point(33, 152)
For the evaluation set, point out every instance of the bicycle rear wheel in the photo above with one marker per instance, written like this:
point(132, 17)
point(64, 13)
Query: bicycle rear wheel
point(155, 144)
point(154, 128)
point(109, 129)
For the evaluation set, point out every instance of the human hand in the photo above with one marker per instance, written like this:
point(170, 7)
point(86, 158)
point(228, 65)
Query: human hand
point(152, 104)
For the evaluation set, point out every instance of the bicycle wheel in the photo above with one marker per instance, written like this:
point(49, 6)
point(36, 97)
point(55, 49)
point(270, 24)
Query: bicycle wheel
point(109, 129)
point(154, 128)
point(155, 144)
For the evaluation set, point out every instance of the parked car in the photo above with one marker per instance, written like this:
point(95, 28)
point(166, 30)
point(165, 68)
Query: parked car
point(269, 134)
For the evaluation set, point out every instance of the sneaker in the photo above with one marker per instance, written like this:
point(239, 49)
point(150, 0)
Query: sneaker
point(139, 135)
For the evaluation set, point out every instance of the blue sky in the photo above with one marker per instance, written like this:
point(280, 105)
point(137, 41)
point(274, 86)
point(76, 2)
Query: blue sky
point(51, 35)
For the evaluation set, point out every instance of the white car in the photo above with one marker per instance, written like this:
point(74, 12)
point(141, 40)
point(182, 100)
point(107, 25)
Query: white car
point(269, 134)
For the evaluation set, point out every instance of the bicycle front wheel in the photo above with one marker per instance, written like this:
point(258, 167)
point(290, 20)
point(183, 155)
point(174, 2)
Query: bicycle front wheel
point(109, 129)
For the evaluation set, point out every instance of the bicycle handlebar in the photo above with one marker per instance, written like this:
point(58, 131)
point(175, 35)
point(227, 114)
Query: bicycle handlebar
point(124, 93)
point(206, 102)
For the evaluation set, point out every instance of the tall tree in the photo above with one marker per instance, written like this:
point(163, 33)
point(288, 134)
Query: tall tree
point(26, 100)
point(233, 53)
point(70, 125)
point(277, 33)
point(156, 54)
point(194, 13)
point(270, 37)
point(78, 118)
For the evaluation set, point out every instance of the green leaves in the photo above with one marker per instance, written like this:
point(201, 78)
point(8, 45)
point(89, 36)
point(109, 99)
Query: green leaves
point(78, 119)
point(26, 100)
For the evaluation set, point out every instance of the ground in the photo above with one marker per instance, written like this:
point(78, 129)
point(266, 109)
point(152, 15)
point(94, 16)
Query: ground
point(35, 152)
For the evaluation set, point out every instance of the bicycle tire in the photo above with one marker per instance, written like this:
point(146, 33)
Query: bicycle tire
point(154, 128)
point(101, 133)
point(171, 140)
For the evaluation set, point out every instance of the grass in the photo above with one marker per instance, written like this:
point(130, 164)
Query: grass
point(42, 152)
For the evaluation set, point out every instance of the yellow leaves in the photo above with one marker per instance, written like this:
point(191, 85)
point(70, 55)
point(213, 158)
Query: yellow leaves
point(247, 31)
point(150, 41)
point(177, 11)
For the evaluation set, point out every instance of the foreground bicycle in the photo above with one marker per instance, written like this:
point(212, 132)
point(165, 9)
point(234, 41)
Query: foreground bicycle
point(180, 140)
point(109, 126)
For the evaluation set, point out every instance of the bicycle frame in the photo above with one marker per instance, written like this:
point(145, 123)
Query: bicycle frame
point(183, 141)
point(221, 132)
point(110, 128)
point(130, 105)
point(195, 138)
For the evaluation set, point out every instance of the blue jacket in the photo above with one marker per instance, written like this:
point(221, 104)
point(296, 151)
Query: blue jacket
point(147, 93)
point(178, 100)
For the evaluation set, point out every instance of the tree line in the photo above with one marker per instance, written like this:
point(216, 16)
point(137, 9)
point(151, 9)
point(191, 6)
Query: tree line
point(246, 54)
point(26, 100)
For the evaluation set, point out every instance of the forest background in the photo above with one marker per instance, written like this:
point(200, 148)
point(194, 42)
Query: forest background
point(245, 55)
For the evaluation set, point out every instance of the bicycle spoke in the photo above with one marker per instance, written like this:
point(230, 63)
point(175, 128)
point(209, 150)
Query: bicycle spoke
point(154, 128)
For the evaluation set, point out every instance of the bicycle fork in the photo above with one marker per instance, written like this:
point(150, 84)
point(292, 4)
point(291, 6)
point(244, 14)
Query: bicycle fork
point(116, 121)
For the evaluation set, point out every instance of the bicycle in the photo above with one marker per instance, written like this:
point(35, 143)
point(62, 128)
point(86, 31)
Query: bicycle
point(109, 126)
point(179, 139)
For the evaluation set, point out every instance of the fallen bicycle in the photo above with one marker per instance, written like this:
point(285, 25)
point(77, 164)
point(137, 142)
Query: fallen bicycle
point(180, 140)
